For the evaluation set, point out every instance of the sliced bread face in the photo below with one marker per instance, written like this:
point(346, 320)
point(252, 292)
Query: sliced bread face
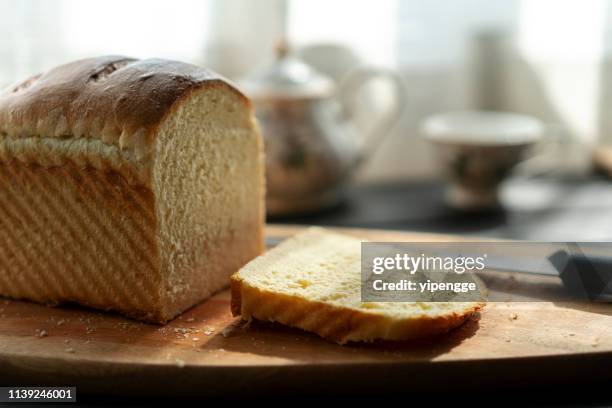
point(313, 282)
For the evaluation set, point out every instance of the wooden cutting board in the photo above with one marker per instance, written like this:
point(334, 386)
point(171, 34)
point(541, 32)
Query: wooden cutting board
point(206, 350)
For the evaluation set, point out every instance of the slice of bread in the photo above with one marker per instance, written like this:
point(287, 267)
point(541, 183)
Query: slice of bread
point(313, 282)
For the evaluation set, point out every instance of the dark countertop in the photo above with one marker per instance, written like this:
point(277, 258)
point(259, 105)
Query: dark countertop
point(544, 209)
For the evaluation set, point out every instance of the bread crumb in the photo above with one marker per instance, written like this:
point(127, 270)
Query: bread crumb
point(67, 341)
point(60, 322)
point(595, 342)
point(191, 319)
point(40, 333)
point(513, 316)
point(195, 339)
point(69, 350)
point(209, 330)
point(179, 362)
point(227, 331)
point(90, 330)
point(508, 340)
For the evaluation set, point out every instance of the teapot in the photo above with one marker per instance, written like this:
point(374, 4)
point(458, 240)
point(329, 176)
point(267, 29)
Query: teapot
point(312, 143)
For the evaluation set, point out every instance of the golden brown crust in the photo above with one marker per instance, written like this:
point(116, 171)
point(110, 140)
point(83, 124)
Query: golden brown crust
point(115, 103)
point(338, 324)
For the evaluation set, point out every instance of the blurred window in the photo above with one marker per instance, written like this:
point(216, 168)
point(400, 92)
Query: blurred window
point(369, 28)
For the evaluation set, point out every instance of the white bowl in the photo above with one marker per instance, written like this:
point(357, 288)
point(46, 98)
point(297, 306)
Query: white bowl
point(482, 128)
point(478, 150)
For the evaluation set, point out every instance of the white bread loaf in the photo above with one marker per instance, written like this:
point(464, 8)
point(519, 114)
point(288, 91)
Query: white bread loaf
point(313, 282)
point(131, 185)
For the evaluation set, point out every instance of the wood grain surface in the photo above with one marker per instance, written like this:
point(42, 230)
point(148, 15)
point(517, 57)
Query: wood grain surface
point(206, 350)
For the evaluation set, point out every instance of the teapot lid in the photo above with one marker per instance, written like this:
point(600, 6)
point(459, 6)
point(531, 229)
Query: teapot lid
point(288, 77)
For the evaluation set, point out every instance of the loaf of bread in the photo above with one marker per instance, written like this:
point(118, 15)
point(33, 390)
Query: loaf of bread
point(313, 282)
point(129, 185)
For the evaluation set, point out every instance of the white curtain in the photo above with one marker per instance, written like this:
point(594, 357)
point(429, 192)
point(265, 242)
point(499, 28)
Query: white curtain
point(38, 34)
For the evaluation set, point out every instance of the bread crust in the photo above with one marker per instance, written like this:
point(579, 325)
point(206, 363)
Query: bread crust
point(336, 323)
point(99, 112)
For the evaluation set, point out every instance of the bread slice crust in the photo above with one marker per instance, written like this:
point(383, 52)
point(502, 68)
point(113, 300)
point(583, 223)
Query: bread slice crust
point(338, 323)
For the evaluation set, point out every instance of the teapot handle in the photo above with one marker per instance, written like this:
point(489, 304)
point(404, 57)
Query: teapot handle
point(382, 126)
